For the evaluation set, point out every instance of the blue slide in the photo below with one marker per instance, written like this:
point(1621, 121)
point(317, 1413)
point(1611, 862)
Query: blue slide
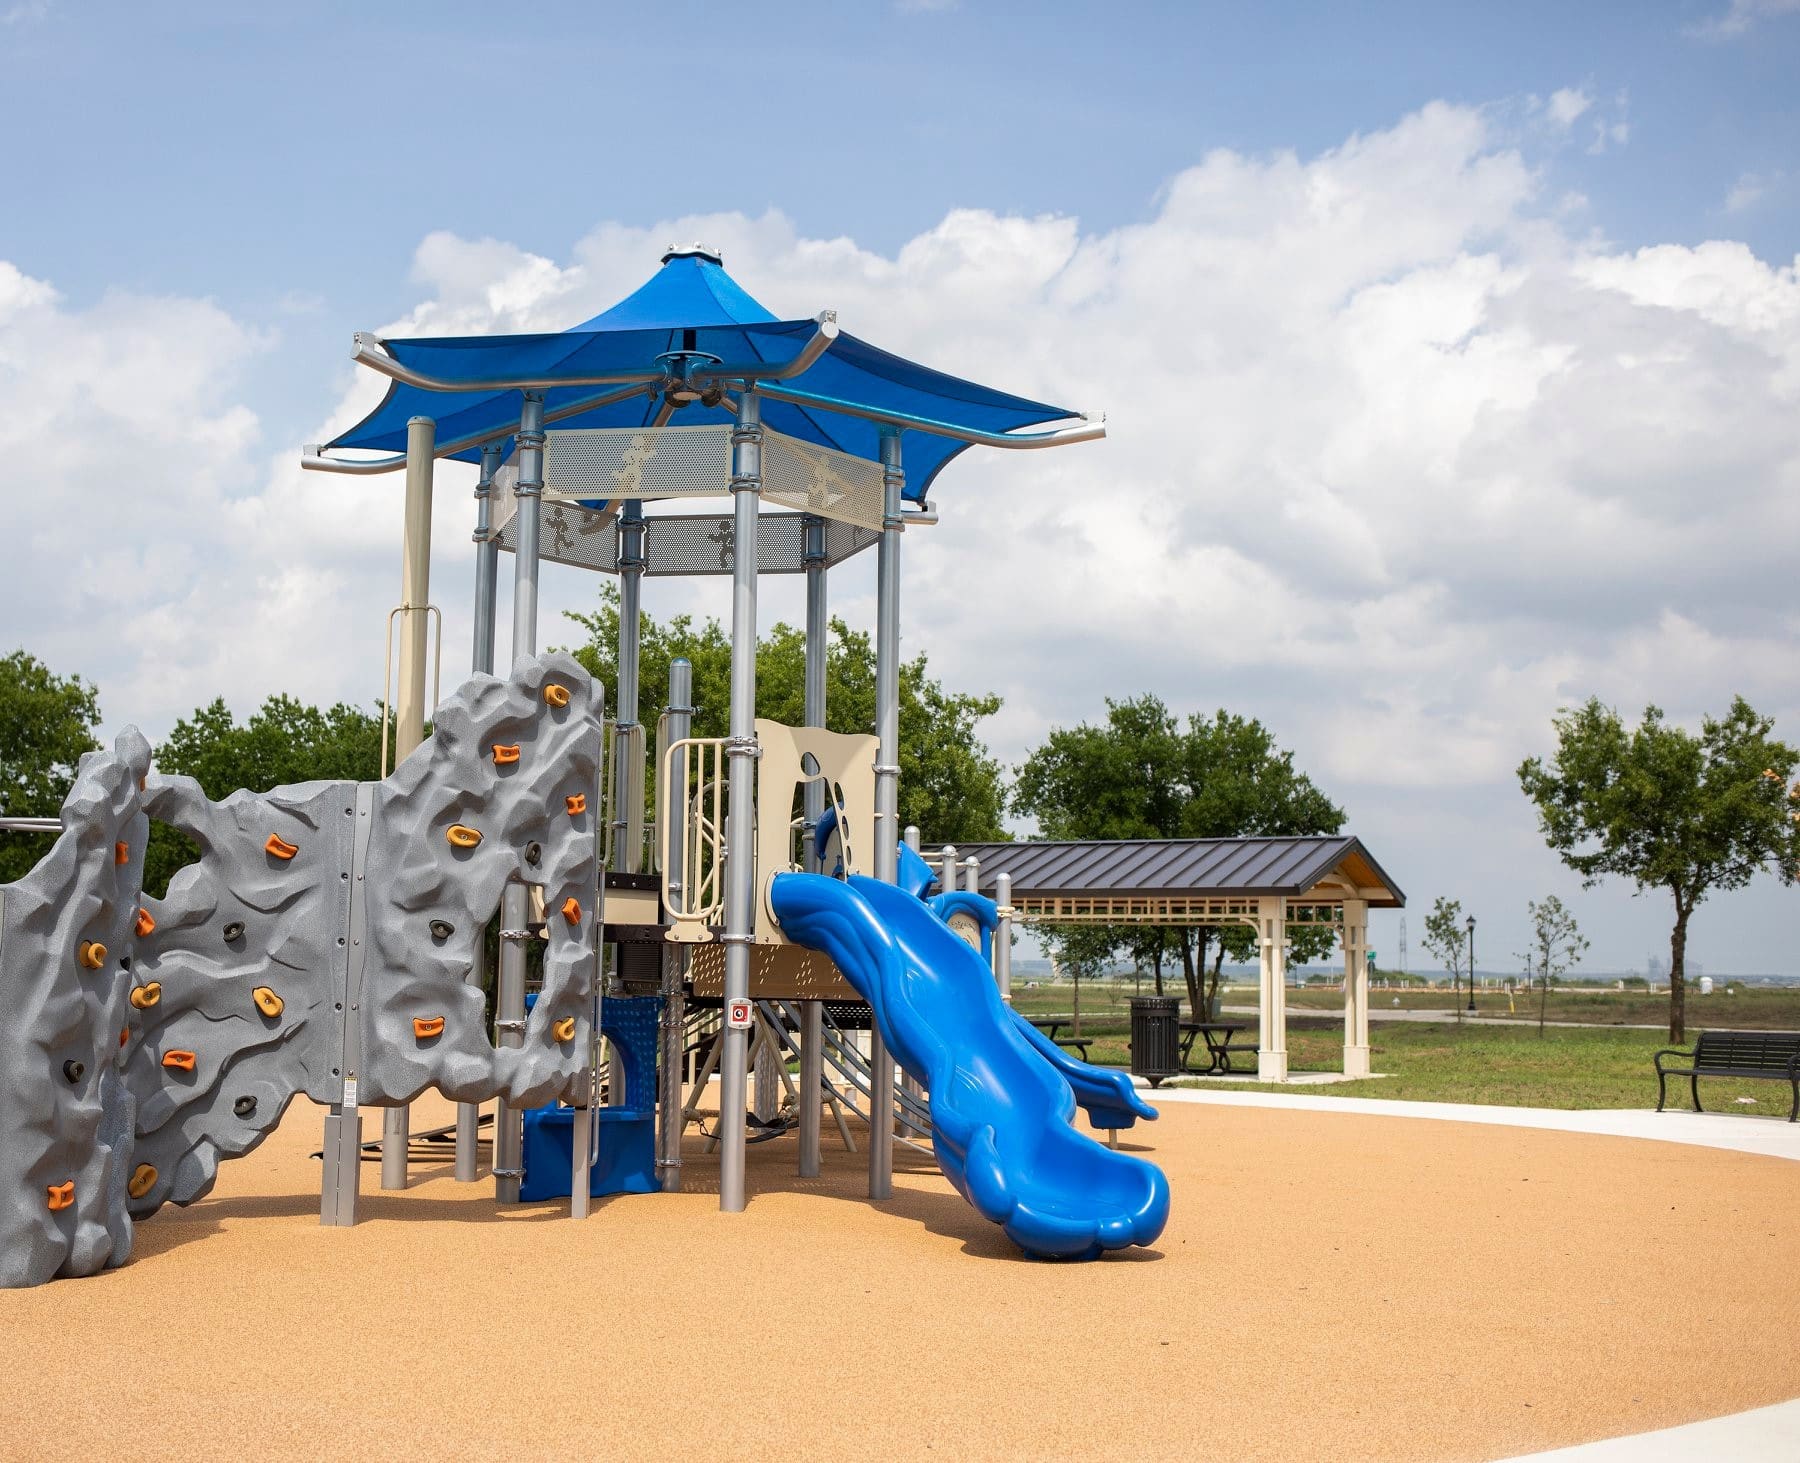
point(1000, 1109)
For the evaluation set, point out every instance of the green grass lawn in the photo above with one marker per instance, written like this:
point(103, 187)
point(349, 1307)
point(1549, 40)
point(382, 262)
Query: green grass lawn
point(1601, 1066)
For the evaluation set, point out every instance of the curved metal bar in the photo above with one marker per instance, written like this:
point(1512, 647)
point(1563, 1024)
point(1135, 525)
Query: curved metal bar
point(1092, 432)
point(313, 455)
point(367, 351)
point(760, 371)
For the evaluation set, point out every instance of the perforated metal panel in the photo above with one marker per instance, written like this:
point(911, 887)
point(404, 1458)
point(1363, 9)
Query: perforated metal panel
point(646, 462)
point(676, 544)
point(817, 480)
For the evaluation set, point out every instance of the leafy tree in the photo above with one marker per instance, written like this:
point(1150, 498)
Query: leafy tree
point(47, 722)
point(1446, 936)
point(1556, 947)
point(1145, 775)
point(950, 787)
point(1669, 810)
point(284, 742)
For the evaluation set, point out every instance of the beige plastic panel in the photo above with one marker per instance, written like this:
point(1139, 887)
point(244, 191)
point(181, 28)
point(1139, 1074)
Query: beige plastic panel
point(845, 762)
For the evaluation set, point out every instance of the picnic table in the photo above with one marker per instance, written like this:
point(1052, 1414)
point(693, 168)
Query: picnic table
point(1218, 1037)
point(1050, 1025)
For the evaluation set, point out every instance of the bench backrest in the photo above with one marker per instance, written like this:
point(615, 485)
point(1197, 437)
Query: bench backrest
point(1747, 1050)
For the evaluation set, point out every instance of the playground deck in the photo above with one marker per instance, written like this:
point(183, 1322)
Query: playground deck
point(1328, 1286)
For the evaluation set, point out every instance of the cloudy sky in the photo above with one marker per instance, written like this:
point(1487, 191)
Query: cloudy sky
point(1451, 364)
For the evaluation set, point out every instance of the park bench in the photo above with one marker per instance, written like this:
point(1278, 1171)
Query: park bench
point(1771, 1055)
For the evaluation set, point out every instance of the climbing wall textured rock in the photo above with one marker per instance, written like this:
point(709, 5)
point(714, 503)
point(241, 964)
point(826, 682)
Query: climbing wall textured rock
point(505, 787)
point(65, 969)
point(239, 975)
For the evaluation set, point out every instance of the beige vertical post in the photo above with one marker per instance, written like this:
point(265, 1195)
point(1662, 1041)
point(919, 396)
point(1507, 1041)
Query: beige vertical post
point(409, 716)
point(1271, 1051)
point(1356, 988)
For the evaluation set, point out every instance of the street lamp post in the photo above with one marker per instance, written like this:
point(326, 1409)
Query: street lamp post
point(1471, 924)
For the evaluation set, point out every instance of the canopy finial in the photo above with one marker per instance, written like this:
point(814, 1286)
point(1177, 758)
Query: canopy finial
point(693, 251)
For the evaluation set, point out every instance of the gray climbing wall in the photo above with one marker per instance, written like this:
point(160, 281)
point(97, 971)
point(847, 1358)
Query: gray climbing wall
point(234, 1003)
point(427, 914)
point(65, 969)
point(131, 1072)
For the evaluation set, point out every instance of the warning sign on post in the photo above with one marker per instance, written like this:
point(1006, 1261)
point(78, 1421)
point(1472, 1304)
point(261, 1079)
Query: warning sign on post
point(737, 1015)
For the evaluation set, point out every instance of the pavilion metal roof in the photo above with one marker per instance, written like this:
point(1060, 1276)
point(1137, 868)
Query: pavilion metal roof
point(1182, 866)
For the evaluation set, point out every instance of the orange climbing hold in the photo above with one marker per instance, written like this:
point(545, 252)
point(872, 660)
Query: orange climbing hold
point(121, 853)
point(426, 1027)
point(179, 1061)
point(462, 836)
point(280, 847)
point(505, 753)
point(564, 1030)
point(146, 924)
point(147, 995)
point(556, 695)
point(142, 1180)
point(62, 1196)
point(571, 910)
point(92, 954)
point(124, 1035)
point(576, 803)
point(266, 1001)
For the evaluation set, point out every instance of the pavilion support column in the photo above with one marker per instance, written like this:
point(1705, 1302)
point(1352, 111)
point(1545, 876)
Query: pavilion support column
point(481, 661)
point(515, 903)
point(1356, 988)
point(409, 711)
point(1271, 1051)
point(887, 786)
point(812, 1033)
point(740, 826)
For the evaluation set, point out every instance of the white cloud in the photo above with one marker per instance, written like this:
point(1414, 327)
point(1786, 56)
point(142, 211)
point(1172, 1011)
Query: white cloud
point(1567, 104)
point(1750, 190)
point(1740, 17)
point(1398, 461)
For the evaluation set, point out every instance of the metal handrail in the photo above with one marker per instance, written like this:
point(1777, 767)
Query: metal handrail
point(697, 800)
point(30, 825)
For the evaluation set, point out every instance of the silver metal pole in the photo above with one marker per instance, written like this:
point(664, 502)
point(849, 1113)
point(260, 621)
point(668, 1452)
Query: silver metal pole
point(674, 1014)
point(971, 875)
point(1003, 935)
point(911, 837)
point(812, 1026)
point(509, 1137)
point(409, 715)
point(887, 788)
point(631, 581)
point(740, 749)
point(487, 568)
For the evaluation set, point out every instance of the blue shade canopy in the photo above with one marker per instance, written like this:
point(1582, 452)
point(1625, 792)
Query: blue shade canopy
point(690, 305)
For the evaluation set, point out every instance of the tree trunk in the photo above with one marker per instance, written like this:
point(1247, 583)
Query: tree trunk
point(1077, 1000)
point(1212, 988)
point(1678, 972)
point(1156, 956)
point(1188, 970)
point(1544, 998)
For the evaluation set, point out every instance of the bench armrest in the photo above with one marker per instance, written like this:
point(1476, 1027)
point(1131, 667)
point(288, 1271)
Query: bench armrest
point(1671, 1051)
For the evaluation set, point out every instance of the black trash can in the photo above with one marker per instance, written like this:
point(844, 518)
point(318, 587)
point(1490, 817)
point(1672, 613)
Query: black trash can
point(1155, 1037)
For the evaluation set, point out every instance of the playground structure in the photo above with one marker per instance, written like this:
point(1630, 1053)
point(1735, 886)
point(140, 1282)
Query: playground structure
point(330, 940)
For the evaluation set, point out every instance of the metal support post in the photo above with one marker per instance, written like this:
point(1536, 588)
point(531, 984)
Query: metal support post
point(409, 716)
point(674, 1015)
point(509, 1002)
point(887, 786)
point(481, 660)
point(627, 859)
point(1003, 918)
point(740, 750)
point(911, 837)
point(812, 1027)
point(947, 868)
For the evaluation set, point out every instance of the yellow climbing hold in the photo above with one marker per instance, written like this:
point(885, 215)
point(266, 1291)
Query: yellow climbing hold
point(62, 1196)
point(280, 848)
point(147, 995)
point(146, 923)
point(142, 1181)
point(92, 954)
point(266, 1001)
point(462, 836)
point(564, 1030)
point(556, 695)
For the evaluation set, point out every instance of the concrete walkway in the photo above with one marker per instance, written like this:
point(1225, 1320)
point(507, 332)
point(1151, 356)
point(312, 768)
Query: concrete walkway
point(1765, 1435)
